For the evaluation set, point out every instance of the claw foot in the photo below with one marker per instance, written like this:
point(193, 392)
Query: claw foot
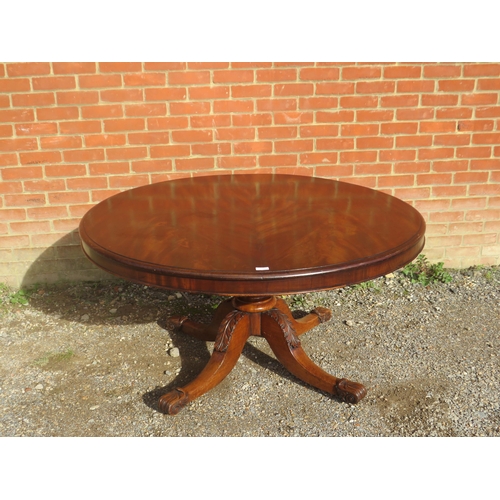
point(350, 392)
point(323, 314)
point(173, 402)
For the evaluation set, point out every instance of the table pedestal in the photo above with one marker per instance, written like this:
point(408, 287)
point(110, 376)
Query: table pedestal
point(233, 322)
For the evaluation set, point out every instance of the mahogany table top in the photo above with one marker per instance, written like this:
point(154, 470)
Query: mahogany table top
point(255, 234)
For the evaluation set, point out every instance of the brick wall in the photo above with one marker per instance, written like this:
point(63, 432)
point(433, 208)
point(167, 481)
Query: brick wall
point(72, 134)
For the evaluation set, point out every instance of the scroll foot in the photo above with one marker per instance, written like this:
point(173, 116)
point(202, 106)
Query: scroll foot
point(349, 392)
point(173, 402)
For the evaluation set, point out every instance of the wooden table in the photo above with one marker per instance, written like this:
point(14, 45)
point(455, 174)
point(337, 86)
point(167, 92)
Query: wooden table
point(252, 238)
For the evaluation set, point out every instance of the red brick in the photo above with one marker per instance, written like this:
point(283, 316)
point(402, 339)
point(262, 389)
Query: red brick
point(412, 167)
point(157, 109)
point(187, 108)
point(237, 161)
point(99, 81)
point(334, 116)
point(483, 215)
point(396, 180)
point(44, 185)
point(232, 76)
point(208, 65)
point(452, 140)
point(28, 69)
point(83, 155)
point(216, 92)
point(39, 99)
point(192, 135)
point(102, 140)
point(126, 153)
point(319, 74)
point(40, 213)
point(450, 165)
point(28, 227)
point(8, 159)
point(233, 106)
point(144, 79)
point(412, 193)
point(18, 144)
point(488, 84)
point(484, 112)
point(455, 112)
point(449, 191)
point(335, 143)
point(402, 72)
point(470, 177)
point(121, 95)
point(14, 241)
point(322, 158)
point(242, 91)
point(460, 203)
point(456, 85)
point(415, 114)
point(358, 102)
point(253, 147)
point(124, 124)
point(109, 168)
point(170, 151)
point(335, 171)
point(36, 128)
point(80, 127)
point(231, 134)
point(319, 130)
point(68, 198)
point(189, 77)
point(219, 148)
point(433, 179)
point(398, 155)
point(442, 71)
point(251, 65)
point(57, 113)
point(479, 99)
point(399, 101)
point(164, 66)
point(149, 138)
point(14, 85)
point(439, 99)
point(490, 164)
point(252, 120)
point(65, 170)
point(17, 115)
point(166, 94)
point(40, 157)
point(482, 69)
point(492, 138)
point(168, 123)
point(293, 146)
point(290, 89)
point(379, 87)
point(318, 102)
point(194, 164)
point(415, 86)
point(373, 169)
point(276, 75)
point(4, 101)
point(289, 117)
point(357, 129)
point(277, 132)
point(374, 115)
point(210, 121)
point(25, 200)
point(119, 67)
point(434, 153)
point(358, 156)
point(374, 142)
point(473, 152)
point(61, 142)
point(408, 141)
point(486, 189)
point(21, 173)
point(102, 111)
point(338, 88)
point(128, 181)
point(69, 68)
point(277, 160)
point(276, 104)
point(475, 125)
point(399, 128)
point(6, 131)
point(436, 127)
point(151, 166)
point(86, 183)
point(77, 97)
point(357, 72)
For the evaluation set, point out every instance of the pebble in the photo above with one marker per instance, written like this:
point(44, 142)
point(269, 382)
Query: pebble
point(174, 352)
point(39, 387)
point(85, 317)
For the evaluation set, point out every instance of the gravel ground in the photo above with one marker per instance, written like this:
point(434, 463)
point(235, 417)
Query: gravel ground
point(92, 359)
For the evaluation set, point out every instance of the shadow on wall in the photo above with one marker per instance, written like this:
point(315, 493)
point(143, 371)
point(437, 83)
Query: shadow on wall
point(64, 261)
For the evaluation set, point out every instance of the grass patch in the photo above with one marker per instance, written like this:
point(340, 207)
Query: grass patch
point(53, 359)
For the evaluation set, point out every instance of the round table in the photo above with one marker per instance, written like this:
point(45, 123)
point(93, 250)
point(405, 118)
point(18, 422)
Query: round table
point(252, 237)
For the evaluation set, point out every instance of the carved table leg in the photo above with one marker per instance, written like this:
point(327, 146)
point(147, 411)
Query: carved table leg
point(232, 335)
point(278, 328)
point(199, 331)
point(303, 325)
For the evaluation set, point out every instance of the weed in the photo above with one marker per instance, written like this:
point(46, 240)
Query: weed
point(54, 358)
point(421, 271)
